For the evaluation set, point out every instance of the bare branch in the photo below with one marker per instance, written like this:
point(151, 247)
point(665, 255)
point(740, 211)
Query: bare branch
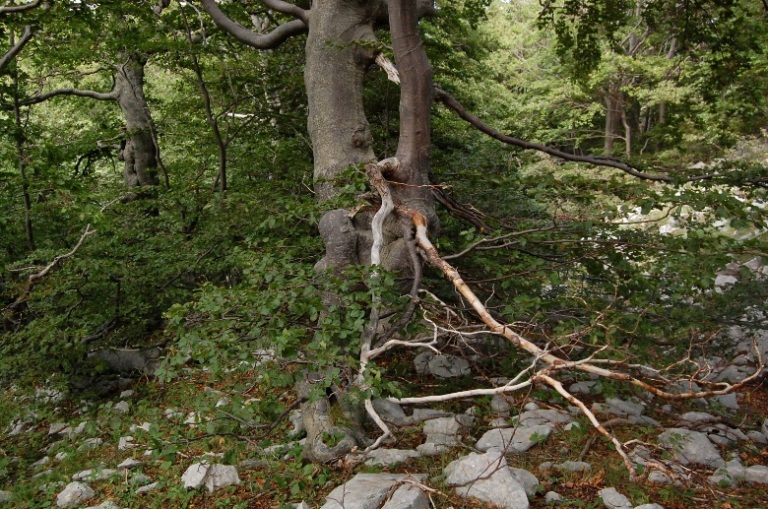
point(452, 103)
point(36, 277)
point(13, 9)
point(11, 53)
point(267, 41)
point(91, 94)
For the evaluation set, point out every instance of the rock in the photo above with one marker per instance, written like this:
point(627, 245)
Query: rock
point(585, 388)
point(125, 443)
point(126, 394)
point(446, 430)
point(391, 412)
point(5, 497)
point(656, 477)
point(41, 462)
point(91, 443)
point(144, 426)
point(500, 405)
point(123, 407)
point(363, 491)
point(619, 407)
point(448, 366)
point(535, 416)
point(757, 437)
point(297, 422)
point(389, 457)
point(729, 401)
point(756, 474)
point(302, 505)
point(527, 480)
point(212, 477)
point(573, 466)
point(612, 499)
point(147, 488)
point(553, 498)
point(139, 479)
point(764, 428)
point(130, 463)
point(734, 374)
point(650, 506)
point(425, 414)
point(691, 447)
point(94, 475)
point(74, 494)
point(105, 505)
point(514, 440)
point(57, 427)
point(486, 477)
point(421, 362)
point(407, 496)
point(126, 360)
point(724, 280)
point(698, 417)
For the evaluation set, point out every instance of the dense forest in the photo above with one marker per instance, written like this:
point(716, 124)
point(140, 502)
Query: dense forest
point(337, 185)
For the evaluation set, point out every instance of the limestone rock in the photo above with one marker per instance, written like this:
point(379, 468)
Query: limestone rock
point(212, 477)
point(5, 497)
point(553, 498)
point(147, 488)
point(407, 496)
point(123, 407)
point(448, 366)
point(130, 463)
point(486, 477)
point(390, 412)
point(74, 494)
point(756, 474)
point(514, 440)
point(691, 447)
point(650, 506)
point(612, 499)
point(105, 505)
point(389, 457)
point(94, 475)
point(363, 491)
point(527, 480)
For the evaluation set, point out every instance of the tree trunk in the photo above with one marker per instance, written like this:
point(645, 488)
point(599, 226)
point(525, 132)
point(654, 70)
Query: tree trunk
point(335, 67)
point(613, 114)
point(140, 152)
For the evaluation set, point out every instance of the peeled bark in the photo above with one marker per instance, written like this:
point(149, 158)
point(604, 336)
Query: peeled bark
point(140, 150)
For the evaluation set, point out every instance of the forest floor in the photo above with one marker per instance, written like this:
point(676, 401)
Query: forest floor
point(169, 426)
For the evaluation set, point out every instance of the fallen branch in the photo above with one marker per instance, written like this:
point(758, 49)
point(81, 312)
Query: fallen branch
point(35, 278)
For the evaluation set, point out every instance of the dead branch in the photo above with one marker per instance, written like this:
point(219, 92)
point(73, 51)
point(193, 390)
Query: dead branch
point(35, 278)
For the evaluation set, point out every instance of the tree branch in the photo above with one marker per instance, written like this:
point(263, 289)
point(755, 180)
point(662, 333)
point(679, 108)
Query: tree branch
point(449, 101)
point(267, 41)
point(13, 9)
point(92, 94)
point(288, 8)
point(11, 53)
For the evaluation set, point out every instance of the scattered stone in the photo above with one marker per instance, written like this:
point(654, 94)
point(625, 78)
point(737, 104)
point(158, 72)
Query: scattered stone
point(57, 427)
point(448, 366)
point(421, 362)
point(94, 475)
point(389, 457)
point(130, 463)
point(407, 496)
point(123, 407)
point(514, 440)
point(500, 405)
point(585, 388)
point(41, 462)
point(147, 488)
point(212, 477)
point(527, 480)
point(74, 494)
point(125, 443)
point(531, 406)
point(363, 491)
point(302, 505)
point(126, 394)
point(90, 443)
point(691, 447)
point(612, 499)
point(5, 497)
point(486, 477)
point(171, 413)
point(105, 505)
point(650, 506)
point(391, 412)
point(573, 466)
point(126, 360)
point(734, 374)
point(729, 401)
point(425, 414)
point(144, 426)
point(80, 428)
point(536, 416)
point(657, 477)
point(553, 498)
point(756, 474)
point(757, 437)
point(698, 417)
point(139, 479)
point(764, 427)
point(44, 473)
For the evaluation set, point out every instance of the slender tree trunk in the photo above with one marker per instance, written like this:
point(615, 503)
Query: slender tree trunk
point(22, 159)
point(613, 113)
point(140, 152)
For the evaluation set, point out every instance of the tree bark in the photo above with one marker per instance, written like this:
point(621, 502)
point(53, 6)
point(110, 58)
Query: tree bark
point(140, 152)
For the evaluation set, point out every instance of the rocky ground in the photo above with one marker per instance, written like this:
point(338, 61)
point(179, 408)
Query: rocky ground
point(157, 445)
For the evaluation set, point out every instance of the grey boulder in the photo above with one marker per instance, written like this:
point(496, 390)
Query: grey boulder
point(488, 478)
